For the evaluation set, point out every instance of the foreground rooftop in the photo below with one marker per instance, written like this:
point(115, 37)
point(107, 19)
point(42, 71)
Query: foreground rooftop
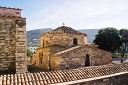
point(63, 76)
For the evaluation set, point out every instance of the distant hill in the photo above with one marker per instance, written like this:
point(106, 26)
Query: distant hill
point(33, 36)
point(90, 34)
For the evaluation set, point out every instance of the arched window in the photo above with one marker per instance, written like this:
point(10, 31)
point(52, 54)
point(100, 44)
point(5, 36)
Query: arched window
point(42, 54)
point(35, 62)
point(40, 58)
point(43, 42)
point(74, 41)
point(87, 60)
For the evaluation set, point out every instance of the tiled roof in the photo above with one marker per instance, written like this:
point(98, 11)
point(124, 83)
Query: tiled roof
point(80, 47)
point(67, 50)
point(65, 29)
point(61, 76)
point(10, 8)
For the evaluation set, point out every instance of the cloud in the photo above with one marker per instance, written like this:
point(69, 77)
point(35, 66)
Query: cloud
point(80, 14)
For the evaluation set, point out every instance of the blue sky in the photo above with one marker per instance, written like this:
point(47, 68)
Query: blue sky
point(78, 14)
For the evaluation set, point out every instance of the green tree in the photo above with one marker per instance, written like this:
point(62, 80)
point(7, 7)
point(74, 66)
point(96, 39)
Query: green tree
point(124, 36)
point(29, 53)
point(108, 39)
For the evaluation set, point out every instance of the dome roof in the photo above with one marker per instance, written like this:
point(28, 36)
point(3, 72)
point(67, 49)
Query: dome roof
point(65, 29)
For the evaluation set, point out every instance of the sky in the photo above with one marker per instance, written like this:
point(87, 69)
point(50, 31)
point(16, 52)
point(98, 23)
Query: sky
point(78, 14)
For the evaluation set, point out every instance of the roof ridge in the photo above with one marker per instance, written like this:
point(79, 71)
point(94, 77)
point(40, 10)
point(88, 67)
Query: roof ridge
point(10, 8)
point(67, 50)
point(78, 47)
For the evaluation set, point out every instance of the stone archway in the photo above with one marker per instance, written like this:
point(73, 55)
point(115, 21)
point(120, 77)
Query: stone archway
point(87, 60)
point(74, 41)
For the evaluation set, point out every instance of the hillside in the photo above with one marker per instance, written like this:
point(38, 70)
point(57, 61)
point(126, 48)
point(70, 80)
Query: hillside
point(33, 36)
point(90, 34)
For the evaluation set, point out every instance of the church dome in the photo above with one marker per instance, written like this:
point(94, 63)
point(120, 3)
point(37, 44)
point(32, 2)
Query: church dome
point(65, 29)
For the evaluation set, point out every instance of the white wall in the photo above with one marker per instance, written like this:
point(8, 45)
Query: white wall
point(32, 49)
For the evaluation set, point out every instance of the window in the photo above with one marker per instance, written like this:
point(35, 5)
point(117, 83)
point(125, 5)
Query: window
point(74, 41)
point(87, 60)
point(40, 58)
point(43, 42)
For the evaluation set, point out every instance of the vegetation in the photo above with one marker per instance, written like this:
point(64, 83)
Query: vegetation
point(108, 39)
point(29, 53)
point(113, 40)
point(124, 37)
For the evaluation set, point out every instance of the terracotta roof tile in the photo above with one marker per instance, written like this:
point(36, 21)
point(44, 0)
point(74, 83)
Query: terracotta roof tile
point(80, 47)
point(65, 29)
point(62, 76)
point(10, 8)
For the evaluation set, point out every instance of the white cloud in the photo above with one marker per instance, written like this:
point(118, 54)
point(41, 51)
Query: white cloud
point(81, 14)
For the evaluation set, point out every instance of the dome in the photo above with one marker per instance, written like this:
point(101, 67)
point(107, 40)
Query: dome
point(65, 29)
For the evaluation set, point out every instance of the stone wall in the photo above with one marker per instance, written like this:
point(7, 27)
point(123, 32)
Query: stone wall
point(20, 53)
point(75, 57)
point(63, 39)
point(41, 58)
point(7, 44)
point(13, 44)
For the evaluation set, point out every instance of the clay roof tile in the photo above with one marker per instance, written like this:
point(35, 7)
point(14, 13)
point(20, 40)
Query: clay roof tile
point(65, 29)
point(61, 76)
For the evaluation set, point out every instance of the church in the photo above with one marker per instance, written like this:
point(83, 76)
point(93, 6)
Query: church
point(66, 48)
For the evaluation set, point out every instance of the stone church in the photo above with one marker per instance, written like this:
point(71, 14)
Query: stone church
point(66, 48)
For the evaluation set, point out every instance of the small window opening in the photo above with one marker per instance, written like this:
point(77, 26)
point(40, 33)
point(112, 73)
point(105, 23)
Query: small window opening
point(74, 41)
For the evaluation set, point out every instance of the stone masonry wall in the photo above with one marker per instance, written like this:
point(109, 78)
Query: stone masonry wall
point(41, 58)
point(20, 54)
point(75, 58)
point(64, 39)
point(13, 44)
point(7, 44)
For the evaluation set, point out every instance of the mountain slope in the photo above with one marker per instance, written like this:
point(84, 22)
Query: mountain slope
point(90, 34)
point(33, 36)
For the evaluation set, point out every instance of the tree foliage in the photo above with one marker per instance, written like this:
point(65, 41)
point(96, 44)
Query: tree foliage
point(29, 53)
point(108, 39)
point(124, 36)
